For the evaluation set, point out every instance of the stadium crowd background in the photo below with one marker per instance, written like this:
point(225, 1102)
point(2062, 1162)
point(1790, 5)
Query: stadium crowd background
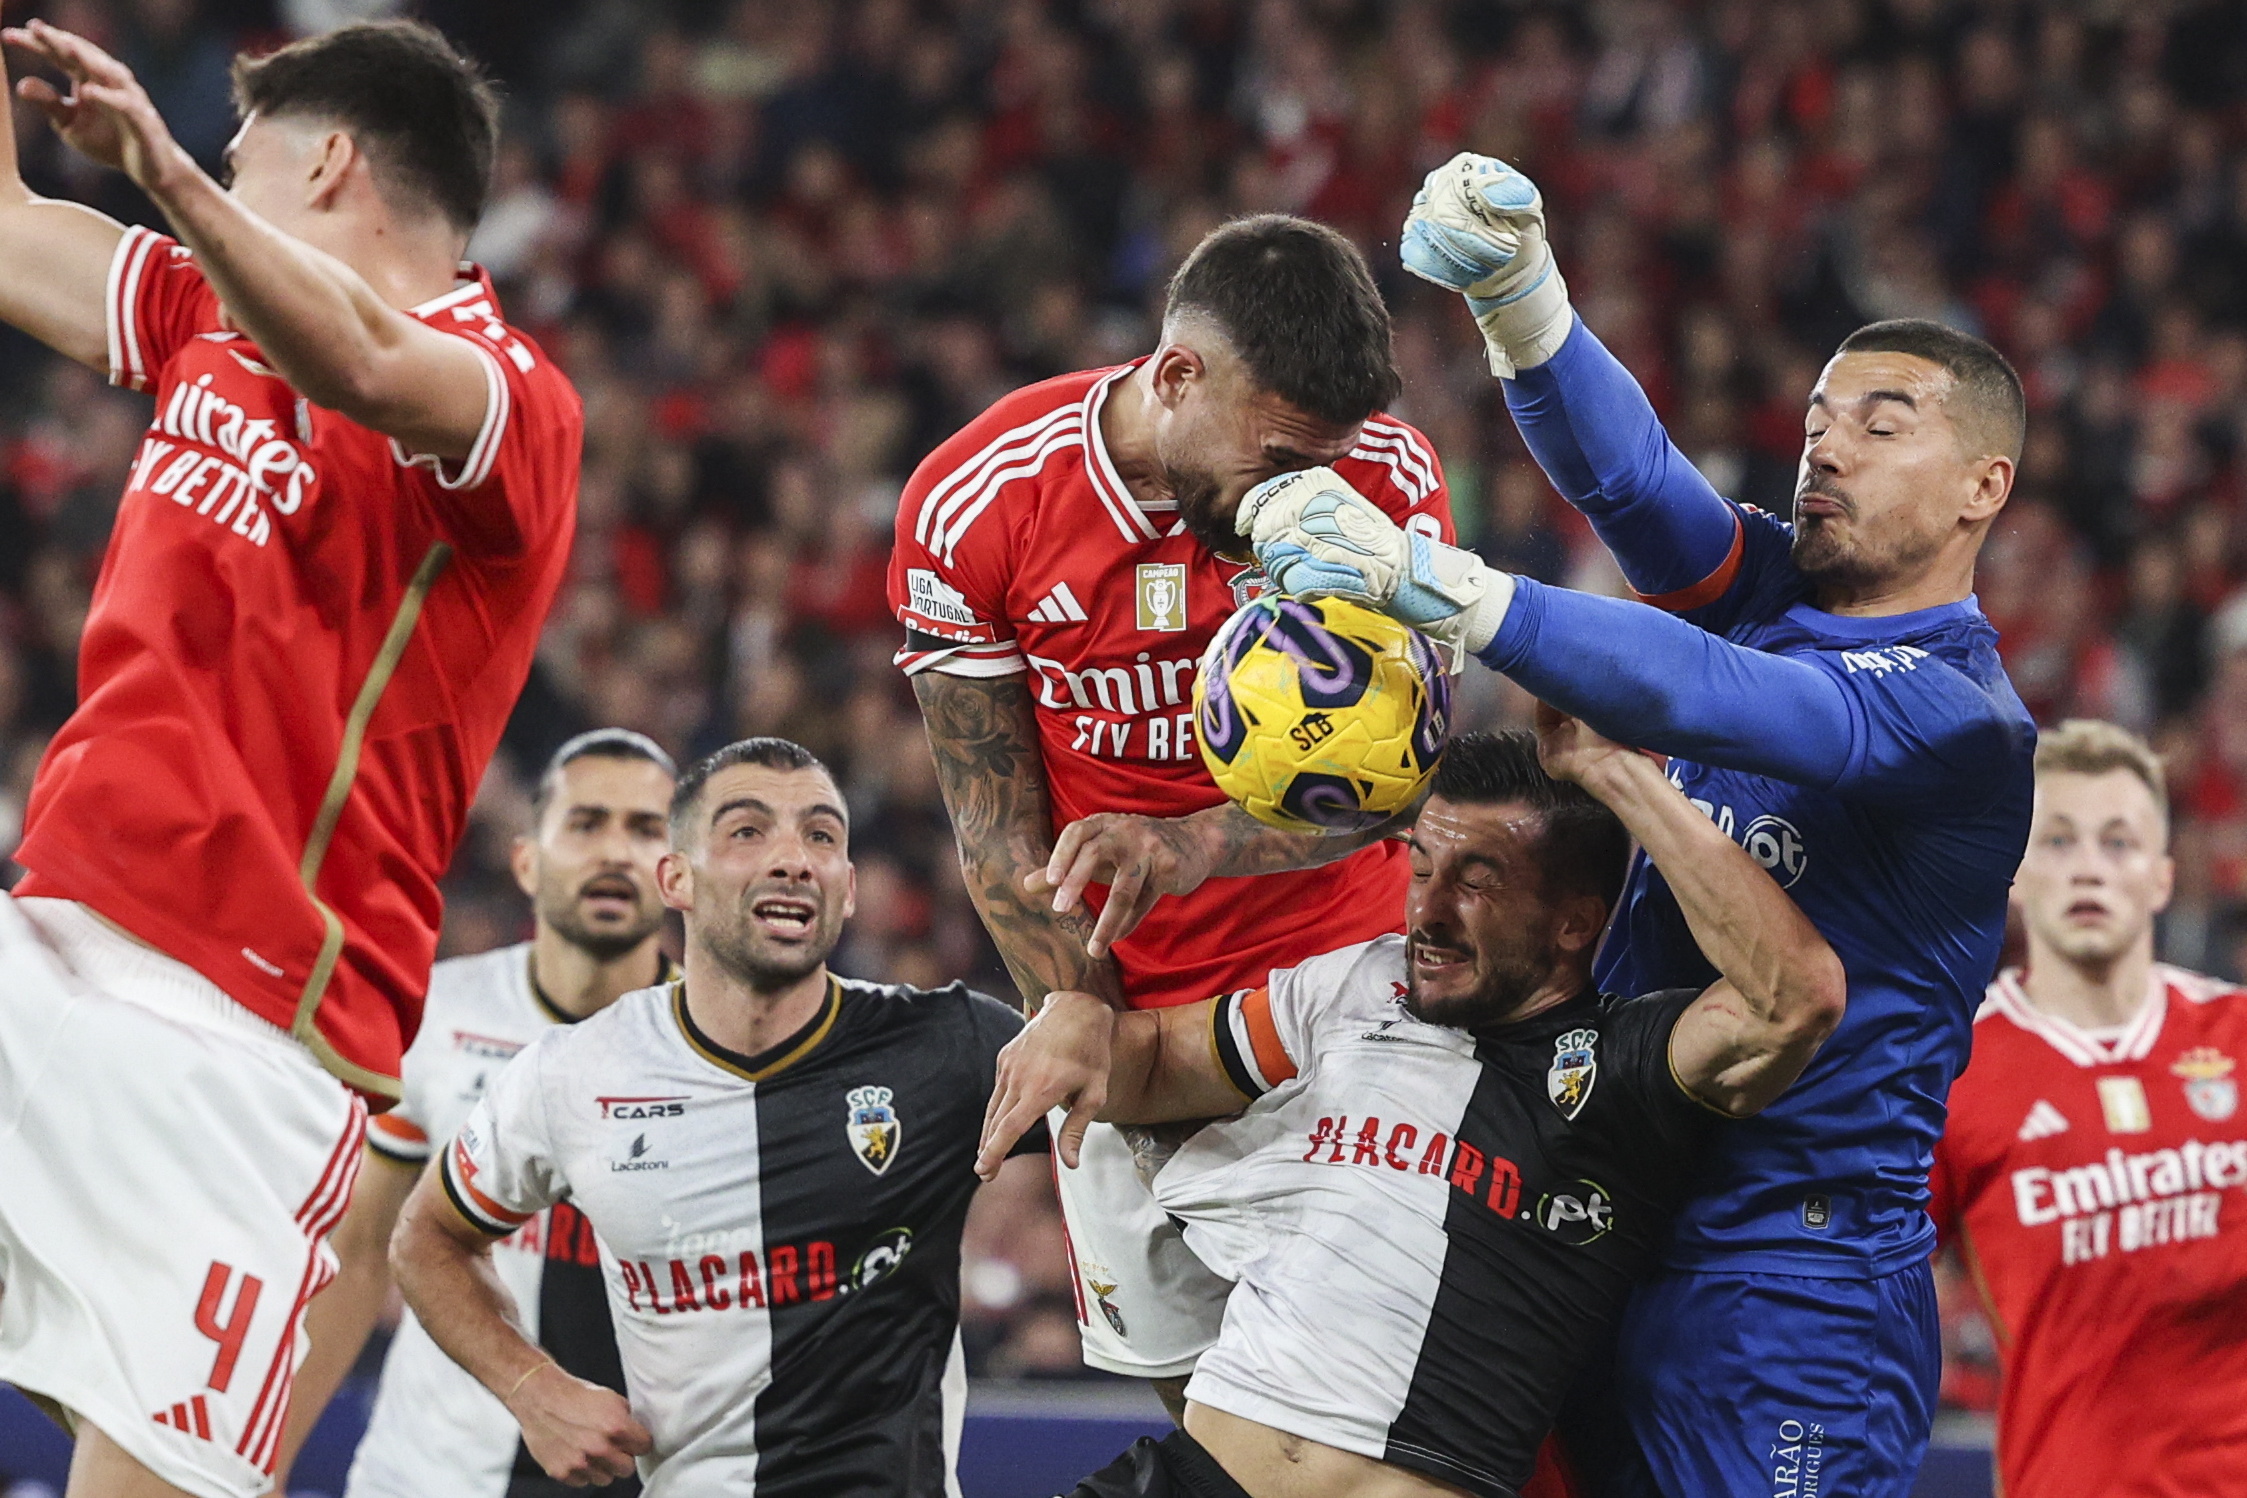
point(786, 246)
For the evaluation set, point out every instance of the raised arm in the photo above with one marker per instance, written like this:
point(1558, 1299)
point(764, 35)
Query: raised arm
point(983, 732)
point(1477, 227)
point(578, 1431)
point(313, 318)
point(54, 260)
point(1746, 1039)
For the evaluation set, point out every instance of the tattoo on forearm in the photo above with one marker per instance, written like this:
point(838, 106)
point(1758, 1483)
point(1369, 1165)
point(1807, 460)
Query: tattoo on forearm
point(984, 737)
point(1246, 846)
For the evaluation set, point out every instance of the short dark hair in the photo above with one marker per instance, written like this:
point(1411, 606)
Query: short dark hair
point(1583, 848)
point(772, 753)
point(599, 743)
point(424, 112)
point(1987, 403)
point(1297, 302)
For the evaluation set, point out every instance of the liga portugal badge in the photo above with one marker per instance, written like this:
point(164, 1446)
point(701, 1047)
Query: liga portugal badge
point(2209, 1085)
point(873, 1127)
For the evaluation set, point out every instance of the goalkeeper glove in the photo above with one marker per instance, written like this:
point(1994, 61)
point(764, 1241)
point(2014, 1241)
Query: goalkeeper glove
point(1477, 226)
point(1316, 537)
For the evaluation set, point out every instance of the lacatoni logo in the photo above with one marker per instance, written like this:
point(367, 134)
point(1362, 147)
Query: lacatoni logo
point(2132, 1201)
point(260, 469)
point(642, 1107)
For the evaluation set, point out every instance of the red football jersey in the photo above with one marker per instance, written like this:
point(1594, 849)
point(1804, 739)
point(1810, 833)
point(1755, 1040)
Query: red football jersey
point(2093, 1183)
point(303, 644)
point(1019, 550)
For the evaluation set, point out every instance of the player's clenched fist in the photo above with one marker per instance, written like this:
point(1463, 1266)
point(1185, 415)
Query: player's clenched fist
point(1477, 226)
point(1316, 537)
point(581, 1433)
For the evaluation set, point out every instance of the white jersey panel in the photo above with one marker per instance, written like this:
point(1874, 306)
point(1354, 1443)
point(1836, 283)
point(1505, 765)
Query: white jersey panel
point(1337, 1268)
point(618, 1115)
point(434, 1428)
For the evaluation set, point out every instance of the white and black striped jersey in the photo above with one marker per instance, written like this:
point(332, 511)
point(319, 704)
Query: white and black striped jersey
point(779, 1234)
point(434, 1428)
point(1430, 1230)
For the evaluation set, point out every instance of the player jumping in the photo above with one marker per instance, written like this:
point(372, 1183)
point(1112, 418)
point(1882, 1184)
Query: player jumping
point(1457, 1154)
point(1060, 566)
point(320, 599)
point(777, 1163)
point(2094, 1152)
point(1830, 694)
point(599, 826)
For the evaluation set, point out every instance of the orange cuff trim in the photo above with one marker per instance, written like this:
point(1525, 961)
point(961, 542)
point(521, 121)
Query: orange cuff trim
point(1264, 1038)
point(397, 1128)
point(459, 1168)
point(1709, 589)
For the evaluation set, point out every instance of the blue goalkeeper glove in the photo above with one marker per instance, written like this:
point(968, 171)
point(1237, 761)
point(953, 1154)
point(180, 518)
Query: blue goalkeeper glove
point(1316, 537)
point(1477, 227)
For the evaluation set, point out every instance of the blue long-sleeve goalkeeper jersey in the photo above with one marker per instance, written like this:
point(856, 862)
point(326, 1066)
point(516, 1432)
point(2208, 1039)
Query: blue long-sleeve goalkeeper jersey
point(1879, 768)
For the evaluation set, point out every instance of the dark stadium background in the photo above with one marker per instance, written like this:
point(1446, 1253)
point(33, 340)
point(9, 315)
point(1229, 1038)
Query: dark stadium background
point(785, 246)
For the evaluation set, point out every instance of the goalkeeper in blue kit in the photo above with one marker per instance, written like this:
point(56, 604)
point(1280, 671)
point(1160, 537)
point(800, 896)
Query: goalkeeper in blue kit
point(1829, 693)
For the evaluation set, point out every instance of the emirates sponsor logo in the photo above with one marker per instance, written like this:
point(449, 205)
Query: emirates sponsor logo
point(2132, 1201)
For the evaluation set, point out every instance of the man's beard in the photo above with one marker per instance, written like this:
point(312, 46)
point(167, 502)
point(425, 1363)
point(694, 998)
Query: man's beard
point(1196, 495)
point(735, 948)
point(601, 946)
point(1509, 980)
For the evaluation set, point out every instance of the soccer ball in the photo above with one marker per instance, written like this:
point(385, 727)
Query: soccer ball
point(1320, 716)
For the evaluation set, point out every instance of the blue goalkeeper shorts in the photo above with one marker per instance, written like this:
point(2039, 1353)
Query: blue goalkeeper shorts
point(1740, 1384)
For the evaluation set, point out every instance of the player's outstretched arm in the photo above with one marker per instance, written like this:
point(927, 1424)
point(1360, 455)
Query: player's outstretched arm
point(340, 1317)
point(1141, 859)
point(1746, 1039)
point(578, 1431)
point(984, 734)
point(54, 257)
point(313, 318)
point(1477, 227)
point(1143, 1067)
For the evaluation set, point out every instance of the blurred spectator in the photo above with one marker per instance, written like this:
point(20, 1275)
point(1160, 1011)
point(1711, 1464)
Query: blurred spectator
point(786, 248)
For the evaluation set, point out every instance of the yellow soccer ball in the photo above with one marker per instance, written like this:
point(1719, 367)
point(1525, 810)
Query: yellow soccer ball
point(1320, 716)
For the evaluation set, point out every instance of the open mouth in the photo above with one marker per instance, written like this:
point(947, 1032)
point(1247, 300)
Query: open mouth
point(784, 916)
point(610, 894)
point(1431, 962)
point(2086, 911)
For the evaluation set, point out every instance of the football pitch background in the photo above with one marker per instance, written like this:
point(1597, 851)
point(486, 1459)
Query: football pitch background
point(1022, 1441)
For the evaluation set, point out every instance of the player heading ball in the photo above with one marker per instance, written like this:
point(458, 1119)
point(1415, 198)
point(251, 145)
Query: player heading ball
point(777, 1165)
point(336, 545)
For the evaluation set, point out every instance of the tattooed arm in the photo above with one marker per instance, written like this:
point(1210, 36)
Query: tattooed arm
point(985, 739)
point(1141, 859)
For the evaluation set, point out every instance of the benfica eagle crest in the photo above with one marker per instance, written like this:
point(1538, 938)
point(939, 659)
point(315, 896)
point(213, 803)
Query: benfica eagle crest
point(873, 1127)
point(2209, 1085)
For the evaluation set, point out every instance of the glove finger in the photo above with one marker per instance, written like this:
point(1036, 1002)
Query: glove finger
point(1508, 191)
point(1435, 253)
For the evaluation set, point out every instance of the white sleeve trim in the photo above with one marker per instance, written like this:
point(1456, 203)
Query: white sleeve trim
point(121, 308)
point(961, 662)
point(477, 466)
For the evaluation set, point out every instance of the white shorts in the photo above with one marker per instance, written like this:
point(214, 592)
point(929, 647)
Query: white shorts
point(1146, 1306)
point(170, 1165)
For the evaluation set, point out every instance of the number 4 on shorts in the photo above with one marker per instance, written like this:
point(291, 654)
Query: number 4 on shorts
point(228, 1334)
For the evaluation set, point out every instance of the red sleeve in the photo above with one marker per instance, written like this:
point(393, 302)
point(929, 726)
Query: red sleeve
point(1395, 466)
point(952, 561)
point(156, 299)
point(519, 479)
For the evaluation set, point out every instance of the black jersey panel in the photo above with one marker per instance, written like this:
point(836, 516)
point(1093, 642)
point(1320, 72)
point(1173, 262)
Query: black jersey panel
point(867, 1149)
point(1568, 1166)
point(574, 1327)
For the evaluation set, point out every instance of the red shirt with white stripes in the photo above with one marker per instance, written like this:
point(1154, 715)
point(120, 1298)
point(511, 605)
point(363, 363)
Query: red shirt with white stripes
point(1020, 552)
point(303, 644)
point(2096, 1186)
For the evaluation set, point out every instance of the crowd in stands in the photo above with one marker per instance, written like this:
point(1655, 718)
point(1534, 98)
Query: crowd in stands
point(786, 246)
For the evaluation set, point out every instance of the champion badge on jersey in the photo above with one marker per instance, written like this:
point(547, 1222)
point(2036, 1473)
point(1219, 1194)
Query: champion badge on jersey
point(873, 1128)
point(2123, 1100)
point(1162, 595)
point(1575, 1067)
point(2210, 1088)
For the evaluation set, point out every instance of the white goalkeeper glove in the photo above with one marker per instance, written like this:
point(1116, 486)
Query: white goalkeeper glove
point(1316, 537)
point(1477, 226)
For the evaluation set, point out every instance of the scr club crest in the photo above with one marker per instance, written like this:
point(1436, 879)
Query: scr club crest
point(1568, 1081)
point(872, 1127)
point(2210, 1088)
